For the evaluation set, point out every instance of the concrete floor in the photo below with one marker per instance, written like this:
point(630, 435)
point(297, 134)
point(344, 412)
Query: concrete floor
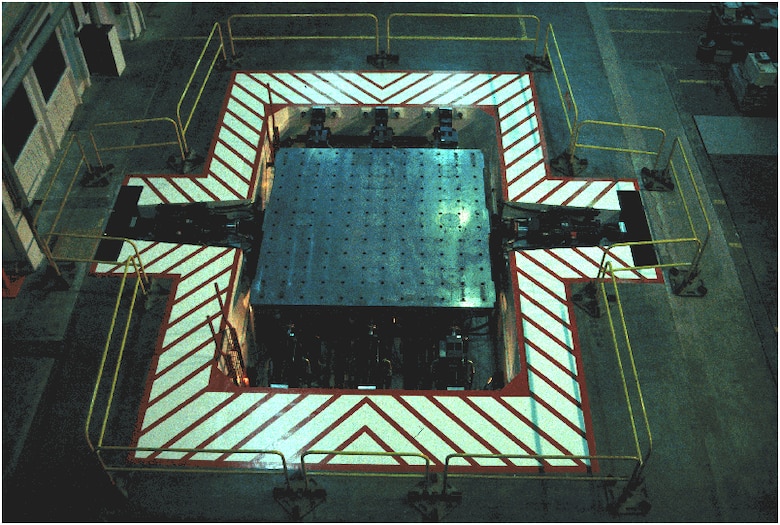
point(708, 366)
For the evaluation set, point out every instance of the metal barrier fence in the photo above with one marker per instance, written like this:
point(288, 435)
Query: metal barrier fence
point(577, 131)
point(255, 37)
point(104, 358)
point(361, 453)
point(466, 16)
point(698, 240)
point(183, 126)
point(637, 473)
point(552, 53)
point(136, 123)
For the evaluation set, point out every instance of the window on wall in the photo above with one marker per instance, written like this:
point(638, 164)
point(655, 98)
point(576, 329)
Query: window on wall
point(18, 123)
point(49, 66)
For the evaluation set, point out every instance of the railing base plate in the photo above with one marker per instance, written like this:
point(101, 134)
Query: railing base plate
point(429, 501)
point(686, 285)
point(653, 180)
point(297, 499)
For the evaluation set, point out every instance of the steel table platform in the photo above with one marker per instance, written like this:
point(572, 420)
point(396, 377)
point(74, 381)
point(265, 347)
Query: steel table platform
point(376, 227)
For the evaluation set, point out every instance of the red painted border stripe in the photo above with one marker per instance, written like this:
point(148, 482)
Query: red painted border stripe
point(560, 416)
point(420, 91)
point(571, 399)
point(265, 424)
point(542, 286)
point(435, 429)
point(251, 94)
point(566, 263)
point(510, 79)
point(191, 331)
point(189, 428)
point(526, 172)
point(227, 426)
point(229, 165)
point(172, 182)
point(531, 188)
point(235, 133)
point(551, 359)
point(195, 289)
point(550, 193)
point(179, 262)
point(577, 193)
point(546, 332)
point(156, 191)
point(162, 395)
point(505, 431)
point(183, 357)
point(542, 434)
point(170, 413)
point(546, 310)
point(453, 418)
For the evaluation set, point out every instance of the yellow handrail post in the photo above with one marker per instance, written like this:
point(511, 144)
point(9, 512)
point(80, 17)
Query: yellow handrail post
point(103, 359)
point(221, 48)
point(683, 279)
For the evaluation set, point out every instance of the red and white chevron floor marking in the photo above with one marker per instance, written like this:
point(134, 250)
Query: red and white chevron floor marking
point(232, 166)
point(546, 414)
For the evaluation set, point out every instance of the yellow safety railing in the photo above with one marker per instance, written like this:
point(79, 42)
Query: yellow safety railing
point(466, 16)
point(568, 102)
point(136, 123)
point(184, 125)
point(630, 352)
point(540, 458)
point(233, 38)
point(575, 137)
point(362, 453)
point(698, 241)
point(63, 201)
point(602, 271)
point(671, 168)
point(137, 262)
point(104, 357)
point(99, 450)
